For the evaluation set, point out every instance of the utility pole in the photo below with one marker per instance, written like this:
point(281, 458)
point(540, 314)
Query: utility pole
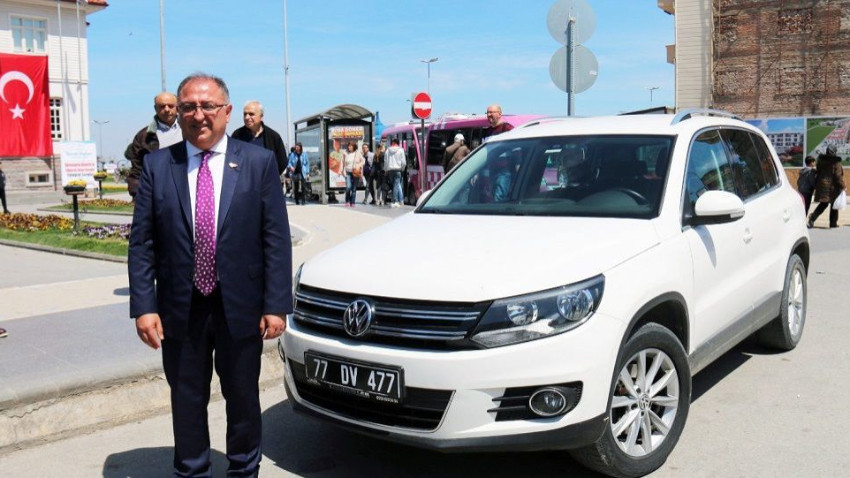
point(428, 62)
point(651, 89)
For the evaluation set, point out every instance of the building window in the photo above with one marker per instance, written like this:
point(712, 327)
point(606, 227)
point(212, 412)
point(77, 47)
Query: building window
point(29, 34)
point(56, 119)
point(39, 179)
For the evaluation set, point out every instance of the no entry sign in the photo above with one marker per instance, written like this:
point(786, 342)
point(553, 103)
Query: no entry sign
point(422, 105)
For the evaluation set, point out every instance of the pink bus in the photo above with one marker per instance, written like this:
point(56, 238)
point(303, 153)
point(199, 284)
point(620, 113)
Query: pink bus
point(425, 170)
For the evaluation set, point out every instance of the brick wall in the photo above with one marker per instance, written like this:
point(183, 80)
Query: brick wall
point(782, 57)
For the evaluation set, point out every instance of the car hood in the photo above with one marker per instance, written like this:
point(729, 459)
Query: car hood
point(476, 258)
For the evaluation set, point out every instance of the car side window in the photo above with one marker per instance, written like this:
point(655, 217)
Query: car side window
point(768, 165)
point(749, 176)
point(708, 167)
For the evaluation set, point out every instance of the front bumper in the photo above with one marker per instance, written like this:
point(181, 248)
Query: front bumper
point(473, 379)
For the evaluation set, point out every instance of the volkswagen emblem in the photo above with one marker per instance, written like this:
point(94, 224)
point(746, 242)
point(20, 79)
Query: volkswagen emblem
point(357, 317)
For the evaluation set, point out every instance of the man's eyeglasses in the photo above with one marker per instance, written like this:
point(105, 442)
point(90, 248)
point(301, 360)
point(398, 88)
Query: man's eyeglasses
point(206, 108)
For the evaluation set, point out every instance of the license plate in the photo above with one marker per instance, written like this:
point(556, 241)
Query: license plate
point(383, 383)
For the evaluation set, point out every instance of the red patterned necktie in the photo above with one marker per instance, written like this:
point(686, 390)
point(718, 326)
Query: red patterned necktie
point(205, 228)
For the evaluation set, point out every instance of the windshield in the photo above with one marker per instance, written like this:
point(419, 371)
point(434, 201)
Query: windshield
point(589, 176)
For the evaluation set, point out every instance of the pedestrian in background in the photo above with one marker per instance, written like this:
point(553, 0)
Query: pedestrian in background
point(396, 161)
point(299, 171)
point(3, 190)
point(210, 268)
point(379, 175)
point(353, 167)
point(256, 132)
point(368, 167)
point(163, 131)
point(454, 153)
point(497, 124)
point(806, 181)
point(830, 183)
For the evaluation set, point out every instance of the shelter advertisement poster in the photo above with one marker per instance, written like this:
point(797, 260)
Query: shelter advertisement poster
point(339, 137)
point(798, 137)
point(79, 161)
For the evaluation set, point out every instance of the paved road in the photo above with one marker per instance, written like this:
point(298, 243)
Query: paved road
point(755, 413)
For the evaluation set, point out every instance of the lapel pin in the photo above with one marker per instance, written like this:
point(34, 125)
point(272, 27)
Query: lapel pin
point(233, 165)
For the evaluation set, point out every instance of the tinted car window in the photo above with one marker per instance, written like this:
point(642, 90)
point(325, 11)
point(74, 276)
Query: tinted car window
point(749, 176)
point(708, 167)
point(768, 166)
point(593, 176)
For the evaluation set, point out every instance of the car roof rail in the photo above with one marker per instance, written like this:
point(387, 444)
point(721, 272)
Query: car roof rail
point(689, 113)
point(548, 119)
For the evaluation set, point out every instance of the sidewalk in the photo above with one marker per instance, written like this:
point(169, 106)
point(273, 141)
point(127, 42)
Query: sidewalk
point(72, 361)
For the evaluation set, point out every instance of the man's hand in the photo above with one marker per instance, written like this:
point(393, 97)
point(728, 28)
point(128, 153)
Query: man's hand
point(271, 326)
point(149, 328)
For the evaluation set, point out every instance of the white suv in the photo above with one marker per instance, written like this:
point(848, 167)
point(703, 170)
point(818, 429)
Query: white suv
point(557, 290)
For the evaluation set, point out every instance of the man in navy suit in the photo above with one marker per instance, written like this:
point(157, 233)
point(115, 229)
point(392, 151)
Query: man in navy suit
point(210, 266)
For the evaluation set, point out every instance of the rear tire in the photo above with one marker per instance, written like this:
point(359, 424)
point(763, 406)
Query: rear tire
point(647, 406)
point(785, 331)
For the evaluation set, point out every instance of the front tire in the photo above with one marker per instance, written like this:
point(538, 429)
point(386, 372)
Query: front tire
point(647, 406)
point(785, 331)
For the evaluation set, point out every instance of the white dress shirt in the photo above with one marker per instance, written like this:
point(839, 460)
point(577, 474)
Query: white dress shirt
point(216, 165)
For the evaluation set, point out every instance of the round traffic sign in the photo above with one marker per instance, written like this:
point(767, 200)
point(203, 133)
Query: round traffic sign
point(422, 105)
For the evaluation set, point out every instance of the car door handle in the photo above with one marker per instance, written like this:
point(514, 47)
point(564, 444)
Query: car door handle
point(748, 236)
point(786, 215)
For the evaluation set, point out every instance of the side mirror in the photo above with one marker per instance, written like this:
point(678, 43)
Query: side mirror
point(717, 207)
point(423, 197)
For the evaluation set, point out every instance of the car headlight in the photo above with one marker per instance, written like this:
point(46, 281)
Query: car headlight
point(296, 281)
point(540, 314)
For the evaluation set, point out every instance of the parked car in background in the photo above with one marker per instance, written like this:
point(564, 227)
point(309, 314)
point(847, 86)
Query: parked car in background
point(580, 272)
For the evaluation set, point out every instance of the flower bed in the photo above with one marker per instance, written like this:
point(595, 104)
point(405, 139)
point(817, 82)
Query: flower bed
point(105, 203)
point(34, 222)
point(114, 231)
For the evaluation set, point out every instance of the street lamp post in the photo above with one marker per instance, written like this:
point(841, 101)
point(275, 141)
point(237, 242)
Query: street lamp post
point(651, 89)
point(428, 62)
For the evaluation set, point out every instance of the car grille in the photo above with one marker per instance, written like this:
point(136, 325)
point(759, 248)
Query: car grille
point(422, 409)
point(414, 324)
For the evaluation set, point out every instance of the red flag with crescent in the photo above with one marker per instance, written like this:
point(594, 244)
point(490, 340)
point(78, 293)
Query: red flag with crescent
point(24, 106)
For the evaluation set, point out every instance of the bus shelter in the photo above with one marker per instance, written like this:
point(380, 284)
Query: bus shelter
point(324, 137)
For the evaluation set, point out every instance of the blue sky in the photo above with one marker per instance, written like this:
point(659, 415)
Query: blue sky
point(368, 53)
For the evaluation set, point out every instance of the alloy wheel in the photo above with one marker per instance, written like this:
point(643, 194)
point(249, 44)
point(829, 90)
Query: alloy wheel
point(645, 402)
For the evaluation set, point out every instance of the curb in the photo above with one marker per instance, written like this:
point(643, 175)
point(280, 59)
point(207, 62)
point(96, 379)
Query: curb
point(107, 403)
point(297, 240)
point(100, 213)
point(65, 252)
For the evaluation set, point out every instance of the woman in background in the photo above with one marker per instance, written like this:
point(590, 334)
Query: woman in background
point(353, 166)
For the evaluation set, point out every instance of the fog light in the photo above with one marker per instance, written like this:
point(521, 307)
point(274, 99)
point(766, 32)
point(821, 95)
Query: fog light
point(551, 401)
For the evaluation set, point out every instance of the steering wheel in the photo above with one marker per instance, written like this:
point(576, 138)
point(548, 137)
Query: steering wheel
point(638, 197)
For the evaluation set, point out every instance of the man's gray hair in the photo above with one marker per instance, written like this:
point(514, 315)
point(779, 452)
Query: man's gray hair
point(205, 76)
point(259, 105)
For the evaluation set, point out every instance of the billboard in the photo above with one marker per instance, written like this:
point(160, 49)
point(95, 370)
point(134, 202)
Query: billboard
point(339, 137)
point(797, 137)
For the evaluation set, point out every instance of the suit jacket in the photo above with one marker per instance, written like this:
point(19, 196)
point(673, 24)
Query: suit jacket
point(253, 245)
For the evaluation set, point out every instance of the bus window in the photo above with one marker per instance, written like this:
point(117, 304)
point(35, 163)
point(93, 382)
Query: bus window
point(437, 143)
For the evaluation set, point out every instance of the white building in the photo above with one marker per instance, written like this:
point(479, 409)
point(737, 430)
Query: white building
point(56, 28)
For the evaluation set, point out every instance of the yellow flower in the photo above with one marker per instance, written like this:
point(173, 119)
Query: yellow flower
point(76, 182)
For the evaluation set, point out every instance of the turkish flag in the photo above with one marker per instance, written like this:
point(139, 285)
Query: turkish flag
point(24, 106)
